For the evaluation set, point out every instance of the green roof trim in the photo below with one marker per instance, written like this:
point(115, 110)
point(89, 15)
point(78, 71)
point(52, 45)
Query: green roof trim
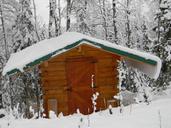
point(13, 71)
point(123, 53)
point(73, 45)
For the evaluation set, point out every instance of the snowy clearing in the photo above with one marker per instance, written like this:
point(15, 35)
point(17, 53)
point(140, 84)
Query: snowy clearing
point(141, 115)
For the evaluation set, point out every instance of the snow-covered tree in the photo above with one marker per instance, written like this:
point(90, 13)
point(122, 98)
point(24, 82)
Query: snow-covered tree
point(68, 14)
point(8, 10)
point(162, 46)
point(54, 19)
point(24, 88)
point(81, 16)
point(24, 28)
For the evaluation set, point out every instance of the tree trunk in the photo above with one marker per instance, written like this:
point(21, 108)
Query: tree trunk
point(56, 25)
point(4, 31)
point(59, 13)
point(103, 14)
point(158, 25)
point(53, 18)
point(1, 105)
point(37, 90)
point(104, 20)
point(56, 19)
point(114, 21)
point(128, 30)
point(81, 17)
point(35, 18)
point(50, 18)
point(68, 20)
point(26, 96)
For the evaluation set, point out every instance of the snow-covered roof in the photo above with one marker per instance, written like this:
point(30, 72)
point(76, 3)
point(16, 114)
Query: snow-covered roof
point(49, 48)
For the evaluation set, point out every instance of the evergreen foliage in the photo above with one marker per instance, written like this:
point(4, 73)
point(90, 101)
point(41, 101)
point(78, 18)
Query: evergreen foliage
point(162, 46)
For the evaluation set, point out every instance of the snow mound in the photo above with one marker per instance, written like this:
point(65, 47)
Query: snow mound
point(133, 116)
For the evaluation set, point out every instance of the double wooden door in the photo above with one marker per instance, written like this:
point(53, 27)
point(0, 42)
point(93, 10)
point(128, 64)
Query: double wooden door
point(79, 79)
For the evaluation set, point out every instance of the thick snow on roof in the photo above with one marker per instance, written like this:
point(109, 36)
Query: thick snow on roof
point(60, 44)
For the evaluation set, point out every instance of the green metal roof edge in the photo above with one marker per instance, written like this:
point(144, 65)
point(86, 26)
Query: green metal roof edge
point(13, 71)
point(123, 53)
point(106, 48)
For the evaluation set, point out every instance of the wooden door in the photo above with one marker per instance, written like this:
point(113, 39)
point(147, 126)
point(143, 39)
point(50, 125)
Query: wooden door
point(79, 74)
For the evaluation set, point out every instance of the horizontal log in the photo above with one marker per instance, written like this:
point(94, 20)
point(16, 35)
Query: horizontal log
point(53, 73)
point(104, 83)
point(54, 66)
point(54, 83)
point(54, 78)
point(46, 88)
point(107, 74)
point(107, 62)
point(60, 97)
point(56, 62)
point(107, 80)
point(88, 48)
point(54, 69)
point(54, 92)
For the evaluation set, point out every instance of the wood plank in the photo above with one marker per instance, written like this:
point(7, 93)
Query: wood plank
point(107, 79)
point(109, 68)
point(106, 83)
point(98, 54)
point(56, 65)
point(46, 88)
point(91, 48)
point(107, 74)
point(53, 69)
point(55, 93)
point(53, 85)
point(106, 65)
point(109, 87)
point(88, 48)
point(54, 78)
point(56, 89)
point(55, 82)
point(59, 58)
point(53, 73)
point(107, 62)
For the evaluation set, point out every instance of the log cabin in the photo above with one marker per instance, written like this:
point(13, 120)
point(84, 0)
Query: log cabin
point(75, 66)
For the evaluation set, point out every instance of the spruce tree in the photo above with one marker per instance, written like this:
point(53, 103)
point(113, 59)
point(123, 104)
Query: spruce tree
point(162, 46)
point(27, 83)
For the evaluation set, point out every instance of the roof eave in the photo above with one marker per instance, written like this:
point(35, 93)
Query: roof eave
point(77, 43)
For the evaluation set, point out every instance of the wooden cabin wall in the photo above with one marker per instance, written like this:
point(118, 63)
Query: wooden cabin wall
point(54, 81)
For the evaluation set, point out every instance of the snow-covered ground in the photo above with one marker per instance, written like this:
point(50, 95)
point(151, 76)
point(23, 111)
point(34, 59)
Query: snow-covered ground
point(155, 115)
